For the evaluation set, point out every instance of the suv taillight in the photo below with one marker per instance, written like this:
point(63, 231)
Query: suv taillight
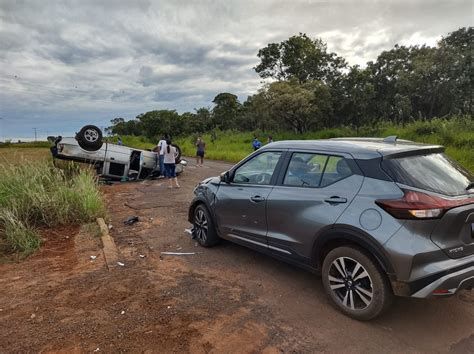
point(417, 205)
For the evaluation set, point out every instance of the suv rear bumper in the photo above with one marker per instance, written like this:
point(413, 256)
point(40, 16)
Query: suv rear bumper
point(440, 284)
point(448, 284)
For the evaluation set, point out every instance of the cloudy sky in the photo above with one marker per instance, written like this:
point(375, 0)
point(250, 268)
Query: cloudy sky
point(64, 64)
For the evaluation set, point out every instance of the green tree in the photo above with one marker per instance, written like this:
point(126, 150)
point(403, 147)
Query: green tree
point(300, 58)
point(122, 127)
point(157, 123)
point(295, 106)
point(460, 46)
point(358, 98)
point(225, 111)
point(256, 114)
point(403, 108)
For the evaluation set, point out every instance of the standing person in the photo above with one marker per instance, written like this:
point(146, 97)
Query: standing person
point(256, 144)
point(161, 155)
point(200, 149)
point(170, 164)
point(119, 141)
point(270, 139)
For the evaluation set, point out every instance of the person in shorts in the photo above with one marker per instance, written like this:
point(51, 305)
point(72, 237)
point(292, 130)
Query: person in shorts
point(170, 164)
point(200, 150)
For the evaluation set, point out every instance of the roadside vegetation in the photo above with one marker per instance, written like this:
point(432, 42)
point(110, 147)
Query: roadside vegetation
point(35, 194)
point(25, 145)
point(456, 134)
point(419, 93)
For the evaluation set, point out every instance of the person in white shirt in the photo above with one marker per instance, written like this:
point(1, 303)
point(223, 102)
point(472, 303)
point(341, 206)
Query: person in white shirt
point(161, 155)
point(170, 164)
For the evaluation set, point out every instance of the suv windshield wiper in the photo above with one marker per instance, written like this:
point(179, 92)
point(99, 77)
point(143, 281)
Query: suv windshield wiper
point(470, 185)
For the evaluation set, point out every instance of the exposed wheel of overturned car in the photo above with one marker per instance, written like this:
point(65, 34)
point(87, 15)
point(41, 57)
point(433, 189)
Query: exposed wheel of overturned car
point(177, 156)
point(90, 138)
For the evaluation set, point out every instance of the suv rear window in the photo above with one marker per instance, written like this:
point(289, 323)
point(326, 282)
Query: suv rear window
point(433, 172)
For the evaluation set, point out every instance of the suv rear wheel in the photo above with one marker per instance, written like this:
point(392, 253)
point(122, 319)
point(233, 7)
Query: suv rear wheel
point(355, 284)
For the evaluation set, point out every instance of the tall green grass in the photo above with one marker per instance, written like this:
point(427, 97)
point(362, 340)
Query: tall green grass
point(34, 194)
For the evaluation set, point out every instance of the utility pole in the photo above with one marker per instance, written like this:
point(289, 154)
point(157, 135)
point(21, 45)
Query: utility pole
point(35, 134)
point(1, 128)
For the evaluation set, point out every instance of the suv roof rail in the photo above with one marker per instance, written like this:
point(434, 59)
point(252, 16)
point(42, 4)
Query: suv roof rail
point(392, 139)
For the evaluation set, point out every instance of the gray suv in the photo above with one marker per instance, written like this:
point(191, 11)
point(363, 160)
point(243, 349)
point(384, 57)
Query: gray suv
point(374, 217)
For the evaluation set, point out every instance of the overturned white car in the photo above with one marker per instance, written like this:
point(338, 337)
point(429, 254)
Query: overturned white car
point(110, 160)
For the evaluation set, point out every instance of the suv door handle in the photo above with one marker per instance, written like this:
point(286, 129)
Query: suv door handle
point(335, 200)
point(257, 199)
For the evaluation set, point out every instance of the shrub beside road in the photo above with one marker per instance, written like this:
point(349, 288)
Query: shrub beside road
point(37, 194)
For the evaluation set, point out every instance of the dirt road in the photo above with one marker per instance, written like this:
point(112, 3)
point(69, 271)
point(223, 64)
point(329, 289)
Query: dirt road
point(227, 299)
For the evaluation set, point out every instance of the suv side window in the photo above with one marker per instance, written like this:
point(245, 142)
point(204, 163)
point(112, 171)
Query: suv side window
point(305, 170)
point(337, 168)
point(258, 170)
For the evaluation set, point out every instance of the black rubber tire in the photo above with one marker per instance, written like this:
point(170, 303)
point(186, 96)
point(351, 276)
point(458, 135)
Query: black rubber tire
point(90, 138)
point(178, 153)
point(210, 238)
point(382, 291)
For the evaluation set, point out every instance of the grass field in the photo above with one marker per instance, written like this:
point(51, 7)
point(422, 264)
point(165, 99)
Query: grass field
point(456, 135)
point(34, 193)
point(13, 155)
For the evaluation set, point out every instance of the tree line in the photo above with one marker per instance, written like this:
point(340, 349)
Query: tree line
point(306, 87)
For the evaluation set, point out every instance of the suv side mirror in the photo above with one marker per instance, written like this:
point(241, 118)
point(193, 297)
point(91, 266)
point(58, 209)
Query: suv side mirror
point(225, 177)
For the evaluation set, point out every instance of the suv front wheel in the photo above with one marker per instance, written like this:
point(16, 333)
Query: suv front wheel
point(203, 227)
point(355, 284)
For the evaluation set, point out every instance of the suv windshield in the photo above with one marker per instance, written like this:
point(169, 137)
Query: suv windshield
point(433, 172)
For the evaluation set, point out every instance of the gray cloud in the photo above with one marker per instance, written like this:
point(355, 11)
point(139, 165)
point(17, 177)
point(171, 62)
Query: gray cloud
point(66, 63)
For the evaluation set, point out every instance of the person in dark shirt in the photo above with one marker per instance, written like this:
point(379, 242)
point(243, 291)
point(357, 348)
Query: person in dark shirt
point(200, 150)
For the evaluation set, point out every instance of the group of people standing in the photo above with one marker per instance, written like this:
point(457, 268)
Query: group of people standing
point(256, 144)
point(167, 156)
point(167, 160)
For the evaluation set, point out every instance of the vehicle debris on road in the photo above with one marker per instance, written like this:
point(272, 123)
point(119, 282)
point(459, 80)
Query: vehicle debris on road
point(178, 253)
point(131, 220)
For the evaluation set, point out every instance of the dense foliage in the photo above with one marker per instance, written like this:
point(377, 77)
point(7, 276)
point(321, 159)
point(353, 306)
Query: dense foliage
point(309, 88)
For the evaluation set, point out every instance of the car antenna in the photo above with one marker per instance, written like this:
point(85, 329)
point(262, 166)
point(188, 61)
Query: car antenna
point(392, 139)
